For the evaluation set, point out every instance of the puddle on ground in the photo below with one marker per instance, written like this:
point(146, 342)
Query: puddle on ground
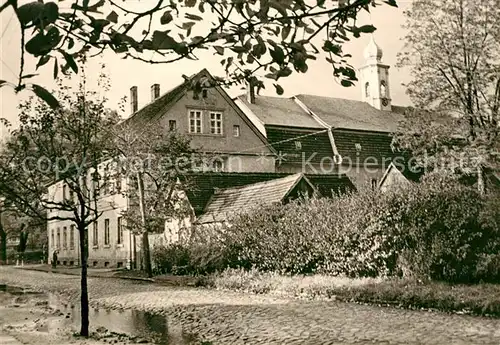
point(139, 325)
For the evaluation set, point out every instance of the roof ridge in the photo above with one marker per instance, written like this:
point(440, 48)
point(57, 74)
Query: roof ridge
point(296, 176)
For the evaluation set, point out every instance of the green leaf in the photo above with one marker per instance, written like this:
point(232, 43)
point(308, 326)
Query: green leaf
point(219, 50)
point(50, 13)
point(56, 68)
point(193, 17)
point(46, 96)
point(285, 32)
point(271, 76)
point(346, 83)
point(367, 29)
point(71, 61)
point(333, 48)
point(278, 55)
point(391, 3)
point(161, 40)
point(279, 89)
point(43, 60)
point(166, 18)
point(27, 76)
point(284, 72)
point(29, 12)
point(201, 7)
point(113, 17)
point(42, 44)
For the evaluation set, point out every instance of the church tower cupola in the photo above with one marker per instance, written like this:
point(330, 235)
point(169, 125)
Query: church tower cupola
point(374, 77)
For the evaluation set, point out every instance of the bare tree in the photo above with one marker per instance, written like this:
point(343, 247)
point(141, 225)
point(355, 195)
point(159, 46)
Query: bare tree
point(453, 49)
point(60, 147)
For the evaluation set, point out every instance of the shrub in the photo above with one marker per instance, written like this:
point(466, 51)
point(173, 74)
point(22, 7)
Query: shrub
point(437, 230)
point(169, 258)
point(334, 236)
point(440, 230)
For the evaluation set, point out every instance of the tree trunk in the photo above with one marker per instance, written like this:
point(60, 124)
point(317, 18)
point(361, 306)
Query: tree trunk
point(3, 240)
point(3, 245)
point(84, 299)
point(145, 237)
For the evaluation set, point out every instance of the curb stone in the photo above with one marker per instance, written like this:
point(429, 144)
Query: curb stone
point(90, 275)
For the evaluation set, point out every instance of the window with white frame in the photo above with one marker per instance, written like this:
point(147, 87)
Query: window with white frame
point(95, 240)
point(72, 237)
point(215, 123)
point(65, 237)
point(236, 130)
point(218, 165)
point(52, 238)
point(58, 238)
point(119, 230)
point(195, 124)
point(106, 232)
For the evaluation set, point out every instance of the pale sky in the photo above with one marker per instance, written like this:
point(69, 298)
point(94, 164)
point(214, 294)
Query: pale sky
point(126, 73)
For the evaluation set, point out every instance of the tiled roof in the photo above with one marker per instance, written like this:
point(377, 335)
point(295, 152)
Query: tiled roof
point(280, 111)
point(201, 186)
point(230, 201)
point(294, 143)
point(345, 113)
point(359, 146)
point(411, 173)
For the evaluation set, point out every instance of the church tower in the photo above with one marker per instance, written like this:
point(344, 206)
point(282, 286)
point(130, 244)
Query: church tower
point(374, 77)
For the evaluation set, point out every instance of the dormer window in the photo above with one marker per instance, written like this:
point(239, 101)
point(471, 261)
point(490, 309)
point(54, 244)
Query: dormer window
point(358, 147)
point(367, 90)
point(298, 145)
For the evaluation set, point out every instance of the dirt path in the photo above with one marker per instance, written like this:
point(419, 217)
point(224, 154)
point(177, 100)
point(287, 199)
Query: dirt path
point(233, 318)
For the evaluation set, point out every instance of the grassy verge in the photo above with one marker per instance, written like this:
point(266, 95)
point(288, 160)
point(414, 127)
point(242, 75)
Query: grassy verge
point(481, 299)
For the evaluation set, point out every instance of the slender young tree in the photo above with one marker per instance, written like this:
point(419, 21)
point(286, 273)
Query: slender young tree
point(60, 147)
point(153, 158)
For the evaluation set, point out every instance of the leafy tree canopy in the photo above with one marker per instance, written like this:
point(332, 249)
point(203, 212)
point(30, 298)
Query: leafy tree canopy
point(275, 36)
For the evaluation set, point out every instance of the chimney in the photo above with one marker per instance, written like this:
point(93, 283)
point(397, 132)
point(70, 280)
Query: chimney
point(250, 89)
point(133, 99)
point(155, 91)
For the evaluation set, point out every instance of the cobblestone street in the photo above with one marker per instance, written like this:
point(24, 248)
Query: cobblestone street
point(233, 318)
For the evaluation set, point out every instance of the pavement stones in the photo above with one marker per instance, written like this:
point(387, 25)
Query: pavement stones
point(236, 318)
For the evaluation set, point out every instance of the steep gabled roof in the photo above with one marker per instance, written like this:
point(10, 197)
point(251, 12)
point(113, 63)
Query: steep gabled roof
point(280, 111)
point(350, 114)
point(412, 174)
point(201, 186)
point(231, 201)
point(159, 106)
point(162, 104)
